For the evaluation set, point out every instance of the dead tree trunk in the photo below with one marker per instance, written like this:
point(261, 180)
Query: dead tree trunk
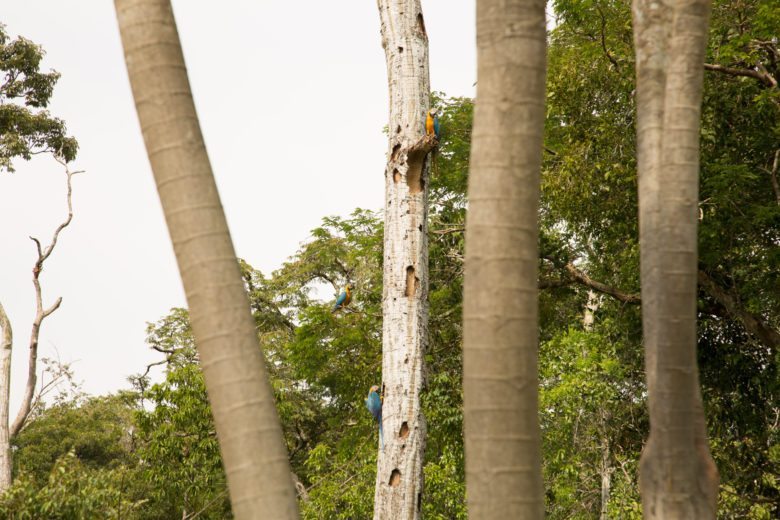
point(7, 433)
point(500, 307)
point(248, 429)
point(399, 480)
point(5, 395)
point(678, 478)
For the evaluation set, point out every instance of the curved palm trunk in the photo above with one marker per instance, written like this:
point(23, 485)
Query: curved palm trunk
point(247, 425)
point(500, 313)
point(399, 480)
point(678, 478)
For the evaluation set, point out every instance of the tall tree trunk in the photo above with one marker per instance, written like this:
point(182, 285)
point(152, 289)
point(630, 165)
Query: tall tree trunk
point(399, 479)
point(242, 403)
point(500, 313)
point(678, 478)
point(6, 345)
point(605, 468)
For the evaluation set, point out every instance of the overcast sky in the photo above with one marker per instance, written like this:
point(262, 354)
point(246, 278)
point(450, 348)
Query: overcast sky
point(292, 98)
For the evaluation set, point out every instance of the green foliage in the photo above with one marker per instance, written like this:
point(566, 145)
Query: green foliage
point(26, 128)
point(97, 432)
point(73, 492)
point(179, 461)
point(588, 412)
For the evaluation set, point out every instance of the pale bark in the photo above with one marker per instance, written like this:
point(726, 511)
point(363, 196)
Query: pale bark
point(399, 479)
point(41, 313)
point(242, 403)
point(678, 478)
point(7, 433)
point(500, 309)
point(606, 480)
point(5, 395)
point(605, 468)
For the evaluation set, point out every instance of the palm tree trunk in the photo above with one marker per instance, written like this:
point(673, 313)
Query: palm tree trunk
point(678, 478)
point(500, 323)
point(399, 479)
point(247, 425)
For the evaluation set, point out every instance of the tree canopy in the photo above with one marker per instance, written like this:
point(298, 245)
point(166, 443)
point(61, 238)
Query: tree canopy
point(26, 127)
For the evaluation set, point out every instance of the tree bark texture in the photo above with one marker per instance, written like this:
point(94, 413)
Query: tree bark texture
point(399, 480)
point(500, 314)
point(6, 345)
point(242, 403)
point(678, 478)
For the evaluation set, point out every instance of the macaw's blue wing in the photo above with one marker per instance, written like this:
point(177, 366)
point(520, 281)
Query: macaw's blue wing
point(374, 405)
point(340, 300)
point(436, 126)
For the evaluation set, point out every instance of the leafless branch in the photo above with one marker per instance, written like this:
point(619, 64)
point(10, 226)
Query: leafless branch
point(448, 231)
point(582, 278)
point(41, 313)
point(150, 365)
point(163, 350)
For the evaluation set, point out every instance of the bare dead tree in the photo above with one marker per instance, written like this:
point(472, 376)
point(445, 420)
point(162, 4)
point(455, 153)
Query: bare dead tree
point(6, 433)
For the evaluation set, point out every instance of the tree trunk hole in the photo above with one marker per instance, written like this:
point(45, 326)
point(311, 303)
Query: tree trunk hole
point(396, 175)
point(421, 25)
point(396, 149)
point(411, 282)
point(404, 433)
point(415, 161)
point(395, 478)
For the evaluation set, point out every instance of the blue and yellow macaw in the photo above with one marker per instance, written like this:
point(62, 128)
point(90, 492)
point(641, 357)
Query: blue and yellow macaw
point(432, 123)
point(374, 405)
point(344, 298)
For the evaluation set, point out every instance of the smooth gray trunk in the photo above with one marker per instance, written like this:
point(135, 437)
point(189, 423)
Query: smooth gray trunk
point(500, 307)
point(248, 429)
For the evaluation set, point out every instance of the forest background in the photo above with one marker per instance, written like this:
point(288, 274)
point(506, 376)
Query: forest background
point(95, 454)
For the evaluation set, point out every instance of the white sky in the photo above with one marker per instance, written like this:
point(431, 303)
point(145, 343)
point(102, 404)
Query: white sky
point(292, 99)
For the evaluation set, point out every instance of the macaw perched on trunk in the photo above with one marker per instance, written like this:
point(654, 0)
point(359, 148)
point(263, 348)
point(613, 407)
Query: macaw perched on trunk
point(374, 405)
point(344, 298)
point(432, 123)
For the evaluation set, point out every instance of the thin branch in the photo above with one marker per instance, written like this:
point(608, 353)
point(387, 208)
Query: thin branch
point(41, 313)
point(552, 284)
point(754, 324)
point(208, 505)
point(766, 79)
point(54, 307)
point(163, 350)
point(37, 245)
point(582, 278)
point(150, 365)
point(604, 40)
point(448, 231)
point(762, 69)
